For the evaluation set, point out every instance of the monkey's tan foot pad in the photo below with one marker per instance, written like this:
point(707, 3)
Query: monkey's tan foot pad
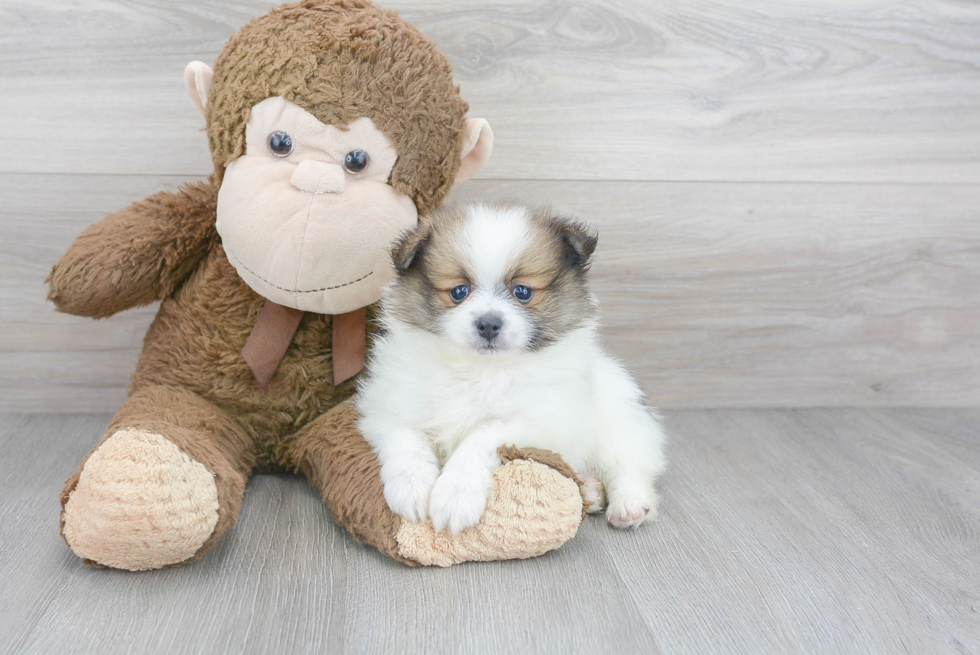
point(140, 503)
point(533, 507)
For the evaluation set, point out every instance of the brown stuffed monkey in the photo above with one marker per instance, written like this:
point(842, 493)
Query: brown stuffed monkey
point(333, 125)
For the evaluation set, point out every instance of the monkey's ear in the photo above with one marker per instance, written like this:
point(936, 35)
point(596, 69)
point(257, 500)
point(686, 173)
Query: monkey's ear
point(408, 247)
point(197, 81)
point(477, 144)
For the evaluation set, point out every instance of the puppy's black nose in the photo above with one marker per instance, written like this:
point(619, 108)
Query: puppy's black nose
point(489, 326)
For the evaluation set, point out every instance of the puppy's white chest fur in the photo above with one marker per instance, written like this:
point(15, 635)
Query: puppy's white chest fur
point(448, 393)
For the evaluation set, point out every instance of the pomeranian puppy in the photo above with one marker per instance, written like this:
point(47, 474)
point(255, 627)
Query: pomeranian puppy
point(490, 337)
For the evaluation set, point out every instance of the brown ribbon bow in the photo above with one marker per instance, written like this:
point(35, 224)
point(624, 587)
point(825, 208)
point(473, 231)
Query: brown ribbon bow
point(274, 331)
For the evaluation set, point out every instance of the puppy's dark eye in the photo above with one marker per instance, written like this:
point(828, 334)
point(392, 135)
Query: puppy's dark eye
point(355, 161)
point(459, 293)
point(523, 293)
point(280, 144)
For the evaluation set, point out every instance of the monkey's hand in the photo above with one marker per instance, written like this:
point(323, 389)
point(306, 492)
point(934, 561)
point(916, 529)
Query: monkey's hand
point(137, 255)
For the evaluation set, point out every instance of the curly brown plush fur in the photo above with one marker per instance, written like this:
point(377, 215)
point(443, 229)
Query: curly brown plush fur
point(138, 255)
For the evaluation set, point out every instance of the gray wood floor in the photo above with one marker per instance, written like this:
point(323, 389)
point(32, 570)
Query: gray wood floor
point(822, 530)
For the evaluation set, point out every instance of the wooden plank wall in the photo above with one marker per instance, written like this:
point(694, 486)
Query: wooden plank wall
point(788, 193)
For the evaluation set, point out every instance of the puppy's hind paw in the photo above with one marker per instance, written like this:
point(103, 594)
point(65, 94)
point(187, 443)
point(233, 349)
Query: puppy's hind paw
point(630, 512)
point(594, 493)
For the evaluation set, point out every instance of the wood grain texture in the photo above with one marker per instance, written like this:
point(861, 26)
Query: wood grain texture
point(714, 294)
point(612, 90)
point(841, 270)
point(780, 531)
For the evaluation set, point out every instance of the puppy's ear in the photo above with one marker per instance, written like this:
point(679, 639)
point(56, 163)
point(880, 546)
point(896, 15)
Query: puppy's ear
point(580, 240)
point(408, 247)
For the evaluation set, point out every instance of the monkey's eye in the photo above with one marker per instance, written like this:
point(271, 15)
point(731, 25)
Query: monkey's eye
point(459, 293)
point(355, 161)
point(523, 293)
point(280, 144)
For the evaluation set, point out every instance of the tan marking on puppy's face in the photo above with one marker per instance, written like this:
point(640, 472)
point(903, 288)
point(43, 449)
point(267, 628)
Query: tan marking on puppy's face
point(492, 249)
point(554, 266)
point(441, 256)
point(539, 286)
point(428, 267)
point(539, 265)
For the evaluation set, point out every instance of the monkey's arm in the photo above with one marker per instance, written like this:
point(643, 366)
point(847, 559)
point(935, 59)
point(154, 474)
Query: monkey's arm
point(137, 255)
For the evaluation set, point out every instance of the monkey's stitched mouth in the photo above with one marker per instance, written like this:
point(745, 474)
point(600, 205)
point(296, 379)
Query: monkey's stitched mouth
point(273, 284)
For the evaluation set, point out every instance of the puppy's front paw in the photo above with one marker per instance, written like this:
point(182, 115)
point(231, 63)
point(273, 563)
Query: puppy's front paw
point(458, 500)
point(631, 511)
point(407, 485)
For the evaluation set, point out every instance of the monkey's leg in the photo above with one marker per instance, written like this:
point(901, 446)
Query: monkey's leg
point(535, 504)
point(162, 485)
